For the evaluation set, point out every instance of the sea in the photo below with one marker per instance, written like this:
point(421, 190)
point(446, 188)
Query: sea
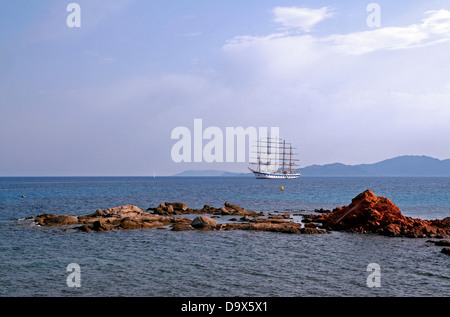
point(38, 262)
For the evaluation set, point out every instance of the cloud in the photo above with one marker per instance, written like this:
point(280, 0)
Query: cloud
point(388, 85)
point(300, 18)
point(434, 29)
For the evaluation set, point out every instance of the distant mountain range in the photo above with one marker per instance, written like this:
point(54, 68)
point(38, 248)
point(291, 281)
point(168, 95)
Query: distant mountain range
point(409, 165)
point(211, 173)
point(398, 166)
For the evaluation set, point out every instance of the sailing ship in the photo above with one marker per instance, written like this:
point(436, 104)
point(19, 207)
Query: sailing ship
point(275, 160)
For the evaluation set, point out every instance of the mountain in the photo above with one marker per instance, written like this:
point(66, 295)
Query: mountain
point(206, 173)
point(211, 173)
point(408, 165)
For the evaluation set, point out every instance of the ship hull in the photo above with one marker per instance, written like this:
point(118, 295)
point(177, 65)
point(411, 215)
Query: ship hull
point(262, 175)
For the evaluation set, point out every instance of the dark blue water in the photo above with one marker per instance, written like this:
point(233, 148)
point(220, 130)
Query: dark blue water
point(155, 262)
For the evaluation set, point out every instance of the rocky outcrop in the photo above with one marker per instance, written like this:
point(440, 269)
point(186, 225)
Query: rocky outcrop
point(272, 224)
point(368, 213)
point(133, 218)
point(118, 218)
point(169, 209)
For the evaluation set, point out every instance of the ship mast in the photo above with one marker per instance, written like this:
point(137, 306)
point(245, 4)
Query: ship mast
point(290, 158)
point(259, 155)
point(265, 149)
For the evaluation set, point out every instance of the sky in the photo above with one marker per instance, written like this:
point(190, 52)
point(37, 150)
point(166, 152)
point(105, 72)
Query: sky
point(103, 99)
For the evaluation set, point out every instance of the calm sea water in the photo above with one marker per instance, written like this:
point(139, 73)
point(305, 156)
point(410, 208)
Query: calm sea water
point(155, 262)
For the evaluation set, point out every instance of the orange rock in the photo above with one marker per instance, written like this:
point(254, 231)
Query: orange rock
point(371, 214)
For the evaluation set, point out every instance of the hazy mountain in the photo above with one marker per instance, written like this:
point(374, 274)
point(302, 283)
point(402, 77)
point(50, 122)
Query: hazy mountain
point(398, 166)
point(409, 165)
point(205, 173)
point(211, 173)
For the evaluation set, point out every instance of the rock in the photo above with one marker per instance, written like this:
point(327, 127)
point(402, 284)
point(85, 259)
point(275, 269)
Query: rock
point(245, 218)
point(118, 211)
point(100, 226)
point(204, 222)
point(130, 224)
point(234, 207)
point(371, 214)
point(51, 220)
point(84, 228)
point(181, 224)
point(181, 227)
point(322, 211)
point(391, 230)
point(442, 243)
point(283, 216)
point(272, 225)
point(224, 211)
point(178, 206)
point(312, 231)
point(446, 251)
point(286, 227)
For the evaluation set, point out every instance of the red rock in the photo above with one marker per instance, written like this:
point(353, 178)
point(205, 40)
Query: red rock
point(371, 214)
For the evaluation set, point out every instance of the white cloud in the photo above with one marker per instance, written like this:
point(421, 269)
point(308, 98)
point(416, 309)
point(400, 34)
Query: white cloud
point(300, 18)
point(435, 28)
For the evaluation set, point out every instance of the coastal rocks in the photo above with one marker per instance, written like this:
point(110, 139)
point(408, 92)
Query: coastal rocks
point(272, 225)
point(118, 218)
point(134, 218)
point(371, 214)
point(169, 209)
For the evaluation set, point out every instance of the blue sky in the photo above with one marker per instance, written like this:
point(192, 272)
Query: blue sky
point(103, 99)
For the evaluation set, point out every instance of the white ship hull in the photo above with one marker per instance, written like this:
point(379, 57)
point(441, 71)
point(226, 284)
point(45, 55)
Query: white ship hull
point(262, 175)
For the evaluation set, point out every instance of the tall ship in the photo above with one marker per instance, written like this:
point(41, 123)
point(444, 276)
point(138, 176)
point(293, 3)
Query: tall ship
point(275, 160)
